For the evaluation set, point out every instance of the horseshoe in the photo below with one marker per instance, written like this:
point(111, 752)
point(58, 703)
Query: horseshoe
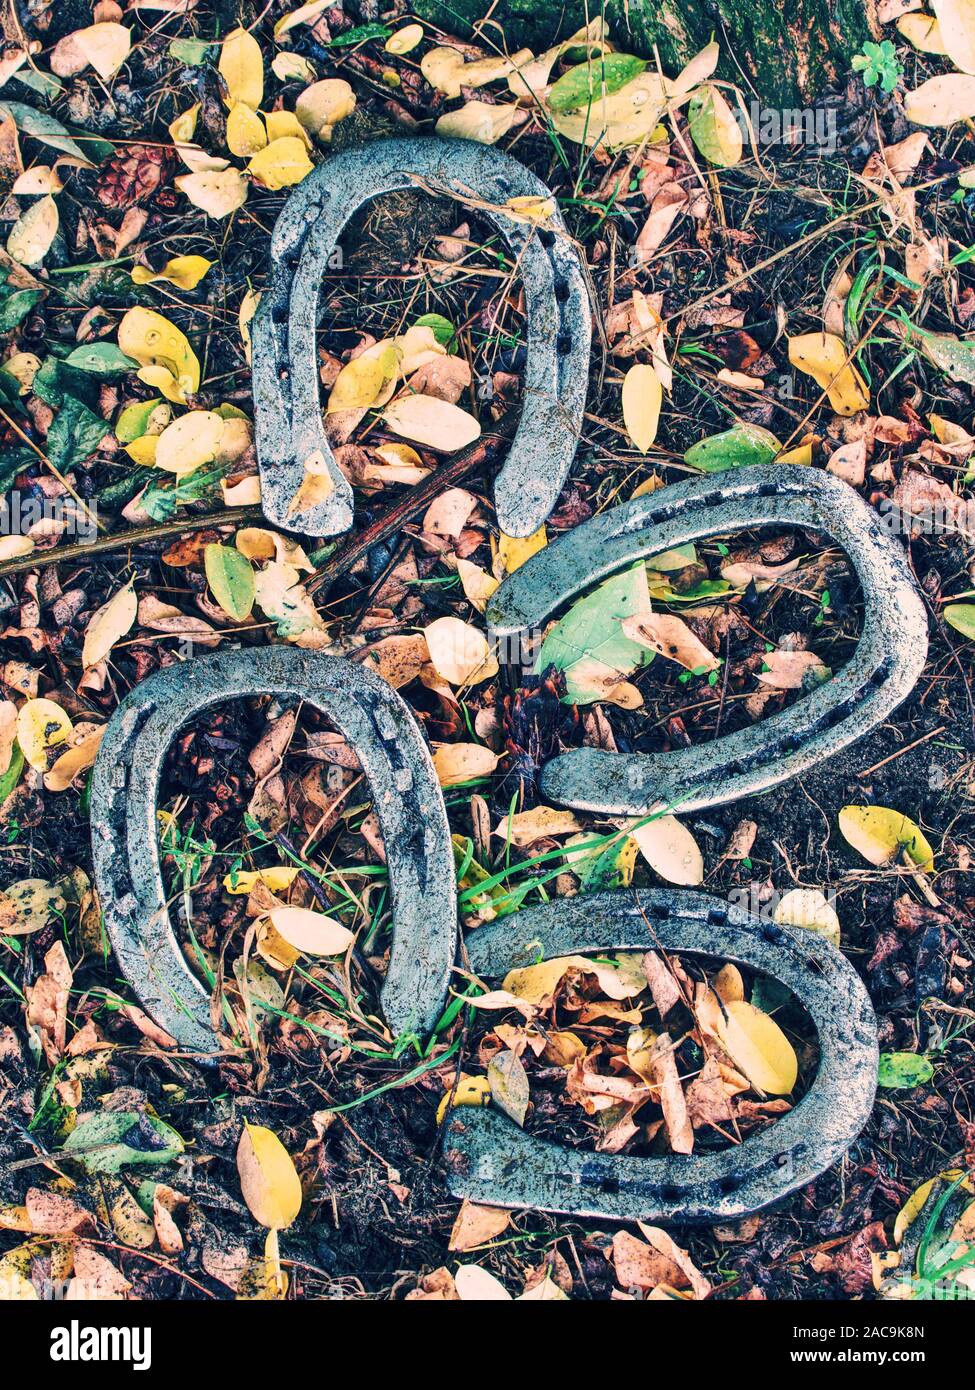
point(407, 799)
point(887, 662)
point(288, 415)
point(490, 1160)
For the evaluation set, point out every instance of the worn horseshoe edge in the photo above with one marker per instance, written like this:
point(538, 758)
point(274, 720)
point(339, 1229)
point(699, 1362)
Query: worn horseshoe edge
point(288, 412)
point(489, 1159)
point(406, 796)
point(887, 662)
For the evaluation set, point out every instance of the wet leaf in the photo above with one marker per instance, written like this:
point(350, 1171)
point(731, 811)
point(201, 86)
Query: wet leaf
point(246, 133)
point(276, 879)
point(189, 442)
point(459, 652)
point(808, 908)
point(670, 849)
point(744, 444)
point(32, 234)
point(404, 40)
point(109, 1140)
point(156, 343)
point(218, 193)
point(483, 121)
point(477, 1285)
point(585, 83)
point(268, 1181)
point(322, 105)
point(961, 616)
point(281, 163)
point(589, 644)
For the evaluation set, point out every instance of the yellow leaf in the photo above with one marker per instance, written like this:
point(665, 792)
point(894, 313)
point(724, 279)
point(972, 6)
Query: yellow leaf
point(541, 822)
point(514, 551)
point(77, 758)
point(713, 127)
point(276, 879)
point(670, 849)
point(478, 585)
point(41, 725)
point(242, 68)
point(759, 1048)
point(429, 421)
point(24, 366)
point(728, 984)
point(31, 235)
point(470, 1090)
point(105, 46)
point(628, 117)
point(362, 380)
point(189, 442)
point(41, 179)
point(247, 310)
point(218, 193)
point(310, 932)
point(281, 163)
point(245, 131)
point(292, 67)
point(807, 907)
point(143, 450)
point(306, 14)
point(404, 40)
point(268, 1181)
point(956, 22)
point(110, 623)
point(698, 70)
point(185, 272)
point(323, 105)
point(11, 547)
point(155, 342)
point(823, 357)
point(942, 101)
point(530, 208)
point(459, 652)
point(923, 31)
point(882, 835)
point(184, 127)
point(457, 763)
point(442, 67)
point(281, 123)
point(642, 398)
point(536, 984)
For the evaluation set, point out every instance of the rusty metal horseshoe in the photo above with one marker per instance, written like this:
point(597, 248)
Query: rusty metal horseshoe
point(288, 417)
point(887, 662)
point(406, 796)
point(489, 1159)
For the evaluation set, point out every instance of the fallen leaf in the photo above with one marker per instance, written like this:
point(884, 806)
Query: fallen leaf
point(642, 398)
point(476, 1225)
point(241, 66)
point(823, 356)
point(670, 849)
point(759, 1048)
point(459, 652)
point(880, 835)
point(311, 933)
point(268, 1181)
point(108, 625)
point(458, 763)
point(435, 423)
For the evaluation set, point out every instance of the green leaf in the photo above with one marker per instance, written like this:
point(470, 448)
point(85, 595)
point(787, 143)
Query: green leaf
point(611, 867)
point(587, 82)
point(56, 382)
point(75, 434)
point(15, 306)
point(443, 329)
point(101, 359)
point(589, 645)
point(231, 577)
point(192, 52)
point(11, 777)
point(903, 1070)
point(134, 420)
point(951, 355)
point(961, 616)
point(40, 82)
point(359, 35)
point(43, 127)
point(110, 1140)
point(743, 444)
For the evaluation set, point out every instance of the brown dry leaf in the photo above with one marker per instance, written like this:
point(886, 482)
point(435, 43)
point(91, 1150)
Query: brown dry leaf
point(449, 513)
point(664, 988)
point(509, 1085)
point(668, 204)
point(671, 637)
point(708, 1102)
point(476, 1226)
point(666, 1246)
point(639, 1266)
point(790, 670)
point(399, 658)
point(95, 1277)
point(47, 1002)
point(671, 1095)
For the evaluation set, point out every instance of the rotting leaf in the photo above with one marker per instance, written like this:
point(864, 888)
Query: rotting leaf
point(509, 1085)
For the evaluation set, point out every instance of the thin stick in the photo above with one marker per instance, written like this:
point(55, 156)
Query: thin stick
point(901, 751)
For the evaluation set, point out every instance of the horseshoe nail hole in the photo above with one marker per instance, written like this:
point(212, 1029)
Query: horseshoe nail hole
point(728, 1185)
point(561, 290)
point(609, 1186)
point(547, 238)
point(563, 344)
point(717, 916)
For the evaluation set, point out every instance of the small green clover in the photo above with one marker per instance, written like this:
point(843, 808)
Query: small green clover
point(878, 63)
